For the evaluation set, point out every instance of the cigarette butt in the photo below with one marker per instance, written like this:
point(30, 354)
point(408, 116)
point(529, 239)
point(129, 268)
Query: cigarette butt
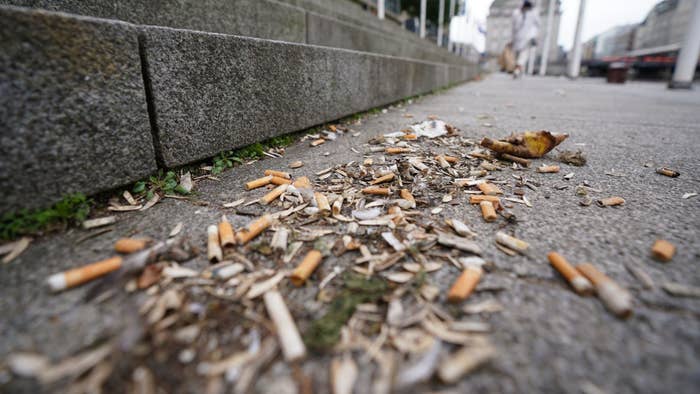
point(451, 159)
point(382, 179)
point(280, 174)
point(548, 169)
point(214, 252)
point(410, 137)
point(663, 250)
point(290, 341)
point(226, 232)
point(489, 189)
point(477, 199)
point(254, 229)
point(258, 182)
point(78, 276)
point(506, 240)
point(406, 195)
point(273, 194)
point(611, 201)
point(131, 245)
point(441, 161)
point(318, 142)
point(463, 361)
point(581, 285)
point(322, 202)
point(382, 191)
point(302, 182)
point(280, 181)
point(306, 267)
point(396, 151)
point(667, 172)
point(488, 211)
point(465, 284)
point(516, 159)
point(615, 298)
point(332, 128)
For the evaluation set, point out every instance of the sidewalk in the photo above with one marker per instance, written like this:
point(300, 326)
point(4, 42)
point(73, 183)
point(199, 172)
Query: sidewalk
point(548, 338)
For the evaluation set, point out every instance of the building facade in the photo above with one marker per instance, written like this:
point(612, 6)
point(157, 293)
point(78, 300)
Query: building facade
point(666, 24)
point(499, 26)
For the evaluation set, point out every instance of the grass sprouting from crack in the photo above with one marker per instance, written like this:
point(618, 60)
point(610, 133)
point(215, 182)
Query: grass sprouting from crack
point(324, 333)
point(72, 209)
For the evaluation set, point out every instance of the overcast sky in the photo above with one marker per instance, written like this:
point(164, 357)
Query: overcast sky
point(600, 15)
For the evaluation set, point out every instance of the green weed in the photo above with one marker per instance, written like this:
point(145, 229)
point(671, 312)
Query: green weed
point(71, 209)
point(324, 333)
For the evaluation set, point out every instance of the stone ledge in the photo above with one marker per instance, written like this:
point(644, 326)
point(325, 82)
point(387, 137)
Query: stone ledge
point(214, 92)
point(73, 112)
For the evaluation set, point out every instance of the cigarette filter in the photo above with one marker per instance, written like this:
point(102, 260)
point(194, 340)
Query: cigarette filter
point(306, 267)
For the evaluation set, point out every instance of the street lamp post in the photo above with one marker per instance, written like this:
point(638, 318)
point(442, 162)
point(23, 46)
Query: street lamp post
point(547, 37)
point(450, 44)
point(688, 56)
point(422, 18)
point(575, 60)
point(380, 9)
point(441, 20)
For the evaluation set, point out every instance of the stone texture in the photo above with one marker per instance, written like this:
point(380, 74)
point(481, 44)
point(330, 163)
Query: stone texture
point(330, 32)
point(73, 112)
point(214, 92)
point(254, 18)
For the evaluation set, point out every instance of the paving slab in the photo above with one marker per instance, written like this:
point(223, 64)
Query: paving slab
point(548, 338)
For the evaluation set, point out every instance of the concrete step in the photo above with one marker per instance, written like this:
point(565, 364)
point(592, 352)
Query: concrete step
point(337, 23)
point(92, 104)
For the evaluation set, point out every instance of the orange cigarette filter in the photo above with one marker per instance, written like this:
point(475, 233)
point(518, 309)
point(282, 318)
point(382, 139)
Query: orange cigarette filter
point(477, 199)
point(226, 233)
point(306, 267)
point(131, 245)
point(280, 174)
point(548, 169)
point(406, 195)
point(273, 194)
point(663, 250)
point(451, 159)
point(78, 276)
point(258, 182)
point(382, 191)
point(489, 189)
point(611, 201)
point(465, 284)
point(441, 160)
point(302, 182)
point(382, 179)
point(488, 211)
point(318, 142)
point(410, 137)
point(322, 202)
point(254, 229)
point(280, 181)
point(579, 282)
point(396, 151)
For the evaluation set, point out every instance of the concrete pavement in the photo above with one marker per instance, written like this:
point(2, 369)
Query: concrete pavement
point(549, 339)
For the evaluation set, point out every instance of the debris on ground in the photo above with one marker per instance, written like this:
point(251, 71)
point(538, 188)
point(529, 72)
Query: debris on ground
point(366, 239)
point(663, 250)
point(529, 144)
point(668, 172)
point(577, 158)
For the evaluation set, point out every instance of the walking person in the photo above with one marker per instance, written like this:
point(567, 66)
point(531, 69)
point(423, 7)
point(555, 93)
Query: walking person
point(526, 26)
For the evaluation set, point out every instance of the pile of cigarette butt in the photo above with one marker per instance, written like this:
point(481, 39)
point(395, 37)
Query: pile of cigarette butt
point(367, 239)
